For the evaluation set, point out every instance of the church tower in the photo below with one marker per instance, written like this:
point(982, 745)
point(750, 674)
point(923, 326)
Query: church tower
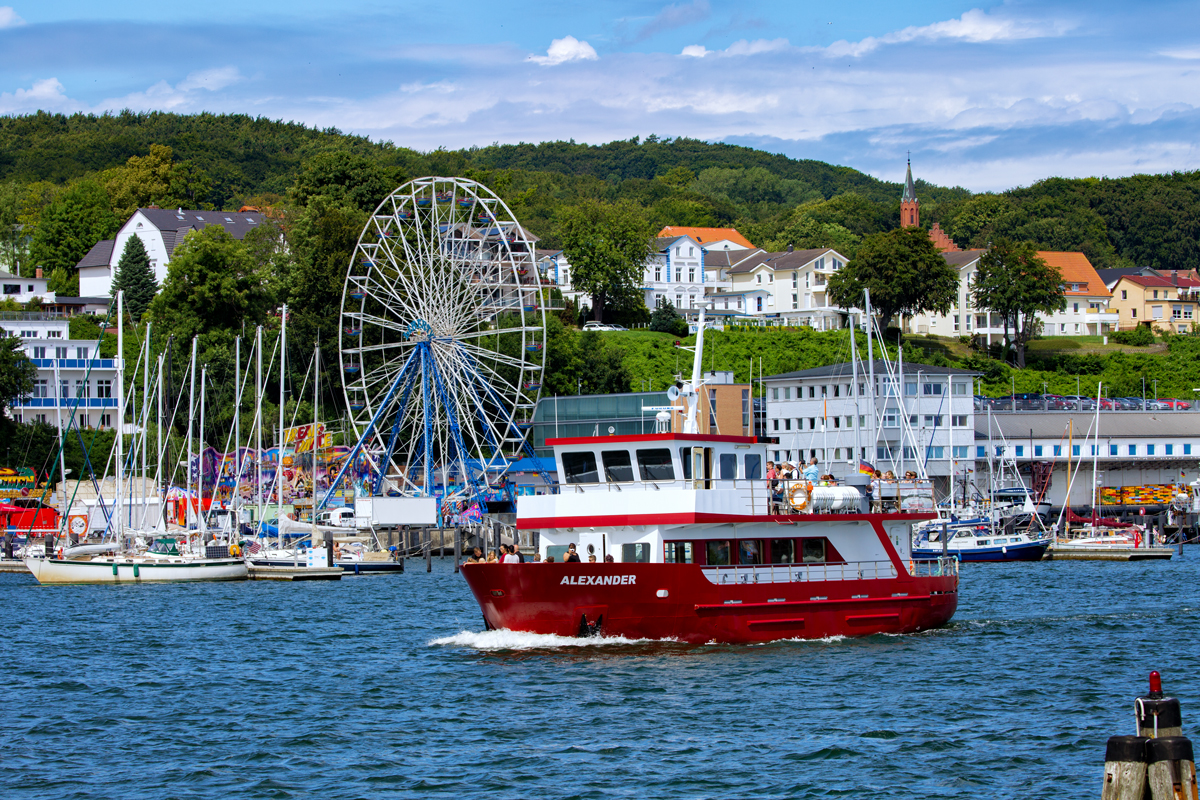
point(910, 209)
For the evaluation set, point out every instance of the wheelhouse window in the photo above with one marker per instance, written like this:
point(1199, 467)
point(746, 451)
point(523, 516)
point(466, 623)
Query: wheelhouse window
point(637, 551)
point(783, 551)
point(753, 462)
point(580, 468)
point(813, 550)
point(716, 552)
point(678, 553)
point(618, 468)
point(728, 463)
point(685, 456)
point(750, 551)
point(655, 465)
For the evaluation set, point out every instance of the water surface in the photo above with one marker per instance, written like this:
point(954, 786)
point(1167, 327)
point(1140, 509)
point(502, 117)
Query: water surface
point(388, 686)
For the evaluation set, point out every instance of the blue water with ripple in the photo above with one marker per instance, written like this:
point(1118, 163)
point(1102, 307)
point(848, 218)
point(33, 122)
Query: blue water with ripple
point(387, 687)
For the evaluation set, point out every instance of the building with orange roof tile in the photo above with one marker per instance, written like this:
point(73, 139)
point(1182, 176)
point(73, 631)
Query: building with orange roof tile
point(1086, 313)
point(710, 238)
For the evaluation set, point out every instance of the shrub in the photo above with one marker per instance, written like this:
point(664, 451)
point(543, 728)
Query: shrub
point(1141, 336)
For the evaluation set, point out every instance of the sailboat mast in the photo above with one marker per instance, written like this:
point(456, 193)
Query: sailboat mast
point(160, 455)
point(145, 419)
point(282, 385)
point(200, 451)
point(1095, 460)
point(191, 427)
point(62, 457)
point(120, 364)
point(258, 422)
point(315, 441)
point(237, 427)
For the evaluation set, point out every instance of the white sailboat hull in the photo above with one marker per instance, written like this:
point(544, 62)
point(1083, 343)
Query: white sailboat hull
point(136, 570)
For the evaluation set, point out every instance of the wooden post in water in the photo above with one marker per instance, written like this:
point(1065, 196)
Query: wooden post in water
point(457, 549)
point(1172, 768)
point(1125, 768)
point(329, 562)
point(428, 549)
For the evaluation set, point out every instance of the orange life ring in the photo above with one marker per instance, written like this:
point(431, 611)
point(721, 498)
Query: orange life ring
point(798, 496)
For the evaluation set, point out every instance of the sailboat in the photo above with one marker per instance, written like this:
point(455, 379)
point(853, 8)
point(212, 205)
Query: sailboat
point(163, 561)
point(1098, 539)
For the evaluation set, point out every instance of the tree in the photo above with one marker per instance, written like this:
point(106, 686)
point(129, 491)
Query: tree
point(666, 319)
point(345, 178)
point(1013, 282)
point(135, 278)
point(70, 225)
point(607, 246)
point(211, 285)
point(17, 373)
point(12, 249)
point(905, 273)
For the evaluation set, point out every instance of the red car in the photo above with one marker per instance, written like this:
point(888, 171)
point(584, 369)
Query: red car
point(1176, 405)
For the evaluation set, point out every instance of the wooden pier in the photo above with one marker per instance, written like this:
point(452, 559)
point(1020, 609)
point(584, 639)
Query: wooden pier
point(295, 573)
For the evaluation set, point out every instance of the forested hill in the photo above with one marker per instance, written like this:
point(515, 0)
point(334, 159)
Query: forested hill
point(224, 160)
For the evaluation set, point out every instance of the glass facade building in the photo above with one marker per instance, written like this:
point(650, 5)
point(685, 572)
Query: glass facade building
point(593, 415)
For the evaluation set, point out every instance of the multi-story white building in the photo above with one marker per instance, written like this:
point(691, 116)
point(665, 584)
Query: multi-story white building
point(161, 231)
point(924, 416)
point(791, 285)
point(1086, 313)
point(71, 379)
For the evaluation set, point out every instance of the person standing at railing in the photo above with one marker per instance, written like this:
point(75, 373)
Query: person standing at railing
point(811, 473)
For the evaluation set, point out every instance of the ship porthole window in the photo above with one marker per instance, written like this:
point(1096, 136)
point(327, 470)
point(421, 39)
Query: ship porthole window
point(591, 550)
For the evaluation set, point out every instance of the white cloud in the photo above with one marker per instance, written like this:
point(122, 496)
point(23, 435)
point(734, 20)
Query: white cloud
point(9, 18)
point(210, 79)
point(1188, 53)
point(566, 49)
point(973, 26)
point(742, 47)
point(46, 94)
point(745, 48)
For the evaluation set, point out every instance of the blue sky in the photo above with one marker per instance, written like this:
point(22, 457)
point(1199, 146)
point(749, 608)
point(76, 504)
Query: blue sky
point(986, 96)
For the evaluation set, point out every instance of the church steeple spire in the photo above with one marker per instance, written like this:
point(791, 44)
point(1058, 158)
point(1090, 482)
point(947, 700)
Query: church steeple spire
point(910, 208)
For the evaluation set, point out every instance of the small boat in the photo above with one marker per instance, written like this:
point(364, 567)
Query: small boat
point(162, 562)
point(978, 540)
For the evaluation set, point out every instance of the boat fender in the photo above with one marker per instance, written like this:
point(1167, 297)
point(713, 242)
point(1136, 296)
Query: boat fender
point(60, 552)
point(798, 496)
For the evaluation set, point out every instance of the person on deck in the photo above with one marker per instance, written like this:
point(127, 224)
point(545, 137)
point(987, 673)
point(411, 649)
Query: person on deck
point(571, 557)
point(811, 473)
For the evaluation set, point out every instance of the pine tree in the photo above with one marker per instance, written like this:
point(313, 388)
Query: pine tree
point(135, 278)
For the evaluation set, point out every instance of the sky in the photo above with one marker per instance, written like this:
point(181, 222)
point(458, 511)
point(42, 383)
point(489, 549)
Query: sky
point(984, 96)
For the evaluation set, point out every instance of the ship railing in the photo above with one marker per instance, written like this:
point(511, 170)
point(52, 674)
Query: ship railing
point(804, 572)
point(933, 567)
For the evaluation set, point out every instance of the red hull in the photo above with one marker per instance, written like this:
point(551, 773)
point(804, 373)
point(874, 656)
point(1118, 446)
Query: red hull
point(626, 599)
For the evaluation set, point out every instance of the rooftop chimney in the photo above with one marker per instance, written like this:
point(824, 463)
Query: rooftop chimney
point(790, 248)
point(37, 273)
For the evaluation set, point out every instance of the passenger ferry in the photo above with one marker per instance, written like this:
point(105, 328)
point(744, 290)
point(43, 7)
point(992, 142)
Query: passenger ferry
point(702, 551)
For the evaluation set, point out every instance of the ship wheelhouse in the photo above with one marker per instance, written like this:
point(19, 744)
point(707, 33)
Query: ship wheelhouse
point(704, 499)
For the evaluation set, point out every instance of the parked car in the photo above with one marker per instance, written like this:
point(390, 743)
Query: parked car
point(1158, 405)
point(1129, 403)
point(597, 326)
point(1107, 404)
point(1080, 402)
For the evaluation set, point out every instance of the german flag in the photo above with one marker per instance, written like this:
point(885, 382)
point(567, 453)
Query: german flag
point(865, 468)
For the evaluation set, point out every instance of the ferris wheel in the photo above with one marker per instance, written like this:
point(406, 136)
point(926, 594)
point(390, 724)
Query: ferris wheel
point(442, 338)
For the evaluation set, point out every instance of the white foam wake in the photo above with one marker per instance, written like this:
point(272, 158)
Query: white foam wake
point(519, 640)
